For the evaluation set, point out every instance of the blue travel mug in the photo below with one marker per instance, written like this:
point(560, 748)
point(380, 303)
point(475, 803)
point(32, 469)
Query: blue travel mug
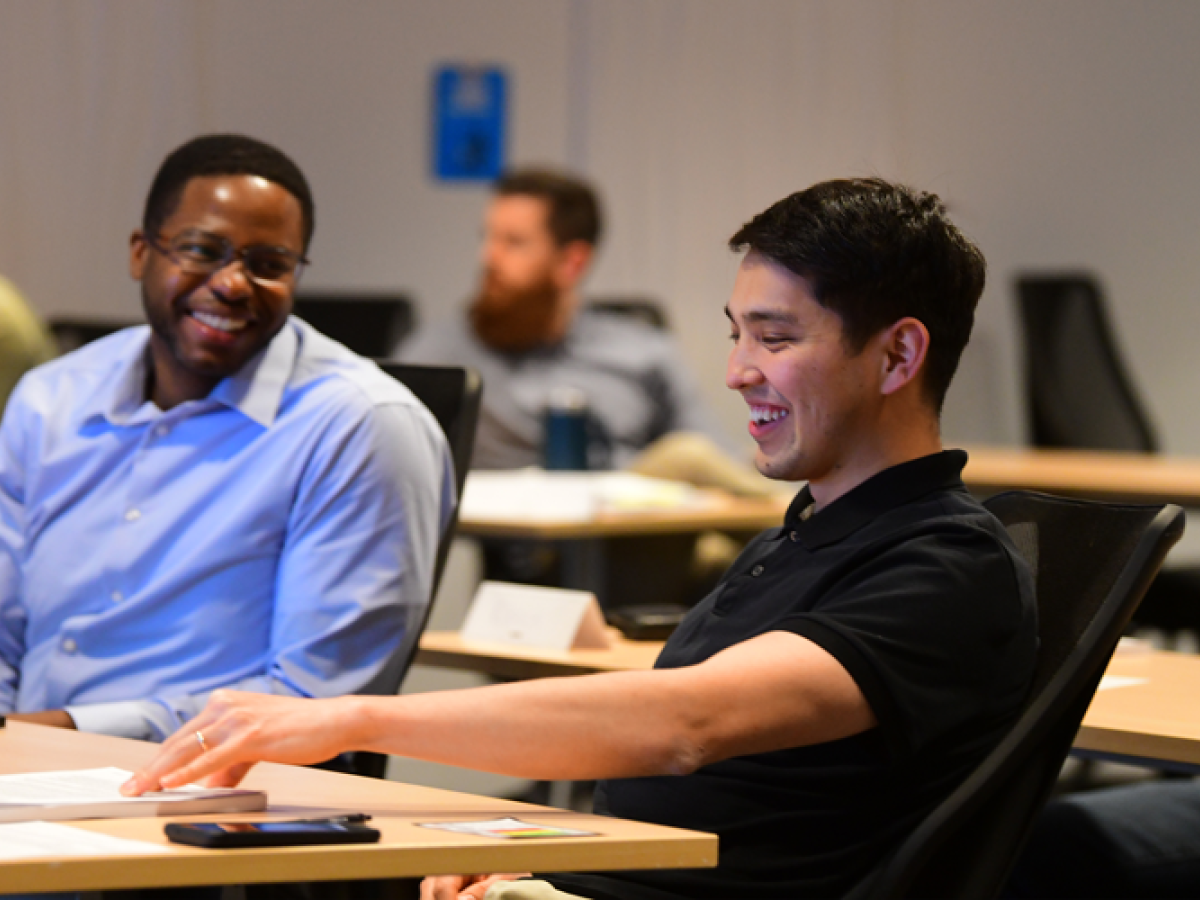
point(565, 442)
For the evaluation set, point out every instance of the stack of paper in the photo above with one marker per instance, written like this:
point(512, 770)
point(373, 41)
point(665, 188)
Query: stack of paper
point(95, 794)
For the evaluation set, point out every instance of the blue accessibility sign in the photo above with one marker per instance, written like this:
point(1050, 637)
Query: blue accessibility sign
point(469, 122)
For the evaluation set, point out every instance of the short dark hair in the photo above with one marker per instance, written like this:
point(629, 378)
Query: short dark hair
point(574, 208)
point(874, 252)
point(224, 154)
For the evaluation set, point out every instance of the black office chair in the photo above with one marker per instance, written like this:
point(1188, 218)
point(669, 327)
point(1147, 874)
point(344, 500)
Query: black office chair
point(1080, 396)
point(452, 394)
point(71, 333)
point(1092, 562)
point(643, 309)
point(370, 324)
point(1079, 391)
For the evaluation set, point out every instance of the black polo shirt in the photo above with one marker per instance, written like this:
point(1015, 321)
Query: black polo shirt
point(917, 591)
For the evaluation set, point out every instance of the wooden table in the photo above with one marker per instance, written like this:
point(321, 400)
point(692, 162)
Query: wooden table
point(1122, 476)
point(448, 650)
point(1132, 477)
point(717, 512)
point(406, 850)
point(1156, 723)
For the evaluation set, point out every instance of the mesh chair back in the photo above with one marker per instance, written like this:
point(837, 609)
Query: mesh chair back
point(369, 324)
point(72, 333)
point(643, 309)
point(1092, 563)
point(452, 394)
point(1079, 392)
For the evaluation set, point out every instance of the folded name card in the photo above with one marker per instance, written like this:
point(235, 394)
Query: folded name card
point(528, 616)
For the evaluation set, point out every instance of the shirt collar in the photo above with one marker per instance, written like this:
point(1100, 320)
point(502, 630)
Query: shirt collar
point(879, 494)
point(255, 390)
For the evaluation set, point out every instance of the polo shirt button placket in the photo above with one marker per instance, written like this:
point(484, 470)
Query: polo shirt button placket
point(758, 570)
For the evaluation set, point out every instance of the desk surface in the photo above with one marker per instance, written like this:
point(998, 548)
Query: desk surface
point(1156, 719)
point(717, 512)
point(1130, 477)
point(405, 850)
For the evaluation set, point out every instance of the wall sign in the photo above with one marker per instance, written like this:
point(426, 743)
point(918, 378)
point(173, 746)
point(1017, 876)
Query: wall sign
point(469, 122)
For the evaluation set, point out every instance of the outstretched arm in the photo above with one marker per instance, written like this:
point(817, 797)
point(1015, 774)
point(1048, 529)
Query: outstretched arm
point(777, 690)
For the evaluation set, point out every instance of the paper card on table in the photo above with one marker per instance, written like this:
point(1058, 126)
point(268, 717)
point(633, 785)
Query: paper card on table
point(507, 827)
point(550, 618)
point(1108, 682)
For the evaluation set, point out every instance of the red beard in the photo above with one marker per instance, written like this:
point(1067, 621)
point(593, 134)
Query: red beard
point(513, 320)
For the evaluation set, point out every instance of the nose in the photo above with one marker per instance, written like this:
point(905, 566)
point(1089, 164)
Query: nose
point(740, 370)
point(231, 283)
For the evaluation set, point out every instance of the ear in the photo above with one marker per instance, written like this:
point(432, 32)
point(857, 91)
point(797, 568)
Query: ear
point(904, 347)
point(573, 261)
point(139, 251)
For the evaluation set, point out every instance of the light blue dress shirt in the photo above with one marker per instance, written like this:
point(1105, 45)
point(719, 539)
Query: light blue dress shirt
point(277, 536)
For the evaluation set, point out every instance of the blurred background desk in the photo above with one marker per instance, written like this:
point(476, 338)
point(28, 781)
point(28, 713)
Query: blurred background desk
point(594, 518)
point(1145, 714)
point(1095, 474)
point(405, 851)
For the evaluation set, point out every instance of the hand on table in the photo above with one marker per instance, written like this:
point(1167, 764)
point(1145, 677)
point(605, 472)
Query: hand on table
point(463, 887)
point(236, 730)
point(56, 718)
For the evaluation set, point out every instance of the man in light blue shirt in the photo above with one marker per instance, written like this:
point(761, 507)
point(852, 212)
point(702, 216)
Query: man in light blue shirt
point(225, 498)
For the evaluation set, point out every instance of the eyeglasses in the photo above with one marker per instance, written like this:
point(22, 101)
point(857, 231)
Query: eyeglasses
point(202, 253)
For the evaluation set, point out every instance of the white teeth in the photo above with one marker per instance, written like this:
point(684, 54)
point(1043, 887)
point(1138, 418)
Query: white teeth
point(219, 322)
point(760, 414)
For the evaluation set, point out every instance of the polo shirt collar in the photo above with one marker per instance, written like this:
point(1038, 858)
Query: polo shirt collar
point(255, 390)
point(879, 494)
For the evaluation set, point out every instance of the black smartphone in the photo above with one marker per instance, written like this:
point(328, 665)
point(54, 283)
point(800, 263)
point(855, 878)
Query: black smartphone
point(269, 834)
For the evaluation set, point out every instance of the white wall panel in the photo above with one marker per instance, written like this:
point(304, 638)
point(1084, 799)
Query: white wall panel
point(1062, 134)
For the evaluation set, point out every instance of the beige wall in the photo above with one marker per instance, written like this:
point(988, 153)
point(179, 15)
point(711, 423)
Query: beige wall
point(1060, 133)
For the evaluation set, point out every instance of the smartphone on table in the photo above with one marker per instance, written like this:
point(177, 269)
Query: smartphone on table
point(289, 833)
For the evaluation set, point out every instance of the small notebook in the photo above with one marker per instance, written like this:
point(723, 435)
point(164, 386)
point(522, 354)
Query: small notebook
point(95, 794)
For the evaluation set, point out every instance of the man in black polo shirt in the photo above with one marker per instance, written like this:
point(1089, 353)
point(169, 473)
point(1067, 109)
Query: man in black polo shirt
point(850, 668)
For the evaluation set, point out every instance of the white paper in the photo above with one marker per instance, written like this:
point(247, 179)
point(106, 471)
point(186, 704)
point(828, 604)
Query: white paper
point(1108, 682)
point(534, 495)
point(529, 616)
point(81, 786)
point(32, 840)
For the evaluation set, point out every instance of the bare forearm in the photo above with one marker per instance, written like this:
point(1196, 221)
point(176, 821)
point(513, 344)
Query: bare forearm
point(613, 725)
point(774, 691)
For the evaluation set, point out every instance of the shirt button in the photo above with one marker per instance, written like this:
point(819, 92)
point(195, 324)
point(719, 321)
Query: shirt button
point(117, 596)
point(758, 570)
point(794, 536)
point(161, 431)
point(69, 646)
point(133, 515)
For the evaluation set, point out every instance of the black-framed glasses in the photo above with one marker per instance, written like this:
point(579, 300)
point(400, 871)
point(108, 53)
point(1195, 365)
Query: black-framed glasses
point(202, 253)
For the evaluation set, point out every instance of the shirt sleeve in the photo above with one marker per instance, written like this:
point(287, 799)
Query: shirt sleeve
point(354, 576)
point(937, 632)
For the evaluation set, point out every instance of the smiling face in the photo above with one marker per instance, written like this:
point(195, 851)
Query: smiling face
point(815, 408)
point(206, 327)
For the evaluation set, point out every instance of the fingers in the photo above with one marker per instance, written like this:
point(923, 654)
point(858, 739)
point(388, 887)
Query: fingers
point(230, 777)
point(443, 887)
point(463, 887)
point(184, 758)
